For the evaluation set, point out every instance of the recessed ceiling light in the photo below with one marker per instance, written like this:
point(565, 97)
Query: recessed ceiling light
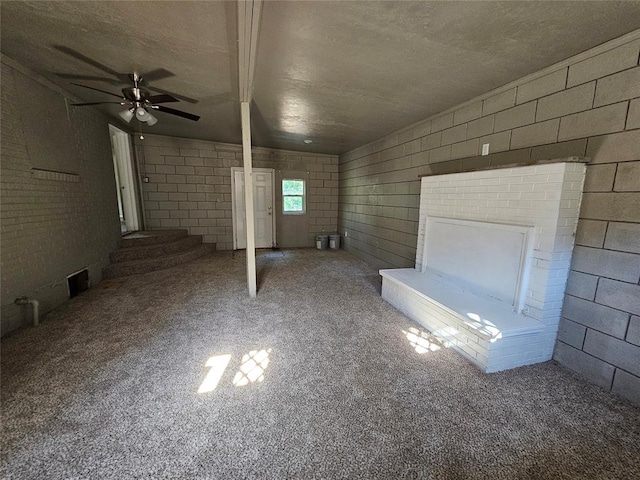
point(307, 141)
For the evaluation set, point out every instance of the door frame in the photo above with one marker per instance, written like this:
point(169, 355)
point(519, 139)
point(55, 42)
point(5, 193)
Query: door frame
point(272, 173)
point(125, 177)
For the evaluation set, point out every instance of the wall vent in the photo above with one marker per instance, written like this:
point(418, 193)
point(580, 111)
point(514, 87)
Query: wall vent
point(78, 282)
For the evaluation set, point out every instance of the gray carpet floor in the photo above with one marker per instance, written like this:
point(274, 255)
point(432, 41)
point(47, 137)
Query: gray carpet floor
point(323, 379)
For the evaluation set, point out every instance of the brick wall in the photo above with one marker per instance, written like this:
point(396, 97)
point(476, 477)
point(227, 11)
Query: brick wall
point(585, 106)
point(190, 187)
point(545, 197)
point(52, 224)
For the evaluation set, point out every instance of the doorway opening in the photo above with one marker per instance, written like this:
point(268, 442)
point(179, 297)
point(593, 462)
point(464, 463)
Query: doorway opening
point(263, 204)
point(125, 177)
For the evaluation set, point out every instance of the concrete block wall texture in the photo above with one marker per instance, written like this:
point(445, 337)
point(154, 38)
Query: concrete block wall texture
point(52, 224)
point(190, 187)
point(588, 105)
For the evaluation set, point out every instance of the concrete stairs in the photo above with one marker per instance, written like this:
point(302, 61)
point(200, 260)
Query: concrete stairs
point(147, 251)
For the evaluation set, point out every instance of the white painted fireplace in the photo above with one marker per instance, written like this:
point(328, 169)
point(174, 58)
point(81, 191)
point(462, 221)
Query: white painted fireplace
point(493, 254)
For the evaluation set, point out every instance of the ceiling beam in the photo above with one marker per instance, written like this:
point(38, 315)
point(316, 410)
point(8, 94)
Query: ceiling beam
point(248, 25)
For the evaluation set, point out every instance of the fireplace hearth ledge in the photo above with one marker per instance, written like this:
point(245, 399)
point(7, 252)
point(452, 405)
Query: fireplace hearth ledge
point(484, 330)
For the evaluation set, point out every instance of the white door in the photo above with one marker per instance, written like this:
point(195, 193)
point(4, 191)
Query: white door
point(125, 180)
point(263, 202)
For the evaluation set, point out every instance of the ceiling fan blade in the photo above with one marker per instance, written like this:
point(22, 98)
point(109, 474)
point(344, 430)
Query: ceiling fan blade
point(180, 97)
point(89, 61)
point(95, 103)
point(97, 90)
point(164, 98)
point(157, 74)
point(179, 113)
point(111, 81)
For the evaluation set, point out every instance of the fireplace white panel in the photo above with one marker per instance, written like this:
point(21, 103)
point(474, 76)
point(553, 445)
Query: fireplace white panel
point(488, 258)
point(533, 212)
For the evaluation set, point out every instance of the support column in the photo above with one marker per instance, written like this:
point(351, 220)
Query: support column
point(248, 25)
point(248, 197)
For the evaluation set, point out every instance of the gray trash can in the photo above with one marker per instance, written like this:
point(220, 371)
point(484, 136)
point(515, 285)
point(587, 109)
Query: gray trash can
point(322, 242)
point(334, 242)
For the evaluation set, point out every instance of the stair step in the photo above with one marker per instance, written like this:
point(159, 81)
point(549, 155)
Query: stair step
point(151, 237)
point(136, 267)
point(142, 252)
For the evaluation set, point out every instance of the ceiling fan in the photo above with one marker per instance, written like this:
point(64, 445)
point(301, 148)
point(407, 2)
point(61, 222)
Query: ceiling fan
point(140, 102)
point(137, 98)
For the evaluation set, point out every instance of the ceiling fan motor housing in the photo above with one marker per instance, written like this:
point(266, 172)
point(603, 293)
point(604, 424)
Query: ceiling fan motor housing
point(135, 94)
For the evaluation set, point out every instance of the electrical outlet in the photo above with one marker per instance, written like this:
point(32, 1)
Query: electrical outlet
point(485, 149)
point(346, 234)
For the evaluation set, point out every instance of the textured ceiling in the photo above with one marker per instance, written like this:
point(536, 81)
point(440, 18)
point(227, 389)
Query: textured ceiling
point(196, 41)
point(339, 73)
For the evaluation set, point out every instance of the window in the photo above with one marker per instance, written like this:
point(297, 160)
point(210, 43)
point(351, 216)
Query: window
point(293, 197)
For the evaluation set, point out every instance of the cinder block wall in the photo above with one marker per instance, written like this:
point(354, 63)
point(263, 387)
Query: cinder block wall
point(52, 224)
point(190, 187)
point(588, 106)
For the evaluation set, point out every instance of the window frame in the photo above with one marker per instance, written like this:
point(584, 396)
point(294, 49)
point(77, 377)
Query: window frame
point(303, 196)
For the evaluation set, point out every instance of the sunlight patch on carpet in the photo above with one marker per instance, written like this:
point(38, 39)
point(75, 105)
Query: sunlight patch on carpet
point(218, 364)
point(252, 368)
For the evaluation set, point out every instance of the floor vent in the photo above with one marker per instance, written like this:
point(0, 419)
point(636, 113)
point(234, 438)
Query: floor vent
point(78, 282)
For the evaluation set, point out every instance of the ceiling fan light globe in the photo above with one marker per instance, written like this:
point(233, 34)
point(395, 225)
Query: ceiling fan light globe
point(151, 120)
point(142, 114)
point(127, 114)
